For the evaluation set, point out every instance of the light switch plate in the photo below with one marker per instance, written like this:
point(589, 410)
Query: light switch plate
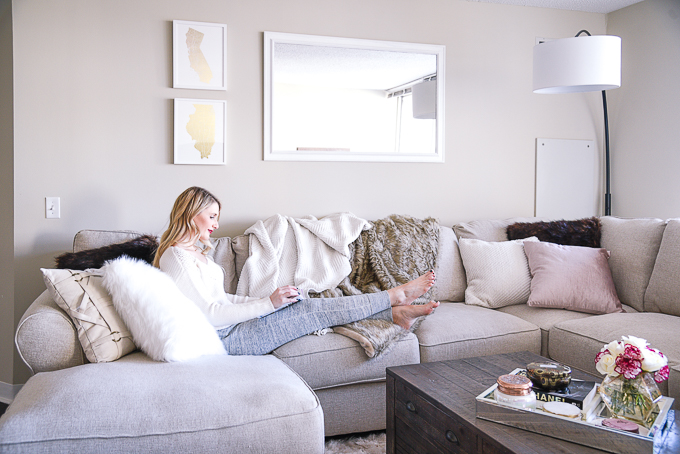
point(52, 208)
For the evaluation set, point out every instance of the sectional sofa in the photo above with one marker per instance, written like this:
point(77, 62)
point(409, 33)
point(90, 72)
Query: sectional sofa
point(319, 386)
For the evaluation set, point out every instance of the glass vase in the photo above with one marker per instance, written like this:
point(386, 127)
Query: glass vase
point(632, 399)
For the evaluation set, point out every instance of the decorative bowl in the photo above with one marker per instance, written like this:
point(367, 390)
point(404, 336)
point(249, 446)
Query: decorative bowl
point(549, 376)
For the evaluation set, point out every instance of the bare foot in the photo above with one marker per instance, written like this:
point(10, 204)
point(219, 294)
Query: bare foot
point(407, 293)
point(405, 316)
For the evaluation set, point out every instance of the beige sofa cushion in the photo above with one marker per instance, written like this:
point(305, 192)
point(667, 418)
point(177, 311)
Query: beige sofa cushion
point(91, 239)
point(674, 385)
point(545, 318)
point(488, 230)
point(634, 245)
point(212, 404)
point(497, 272)
point(663, 292)
point(458, 330)
point(223, 254)
point(241, 246)
point(576, 342)
point(351, 409)
point(334, 360)
point(451, 281)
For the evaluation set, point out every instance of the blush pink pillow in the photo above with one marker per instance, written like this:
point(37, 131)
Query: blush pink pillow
point(575, 278)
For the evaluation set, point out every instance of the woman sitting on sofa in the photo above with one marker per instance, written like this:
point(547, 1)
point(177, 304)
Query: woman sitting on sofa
point(256, 326)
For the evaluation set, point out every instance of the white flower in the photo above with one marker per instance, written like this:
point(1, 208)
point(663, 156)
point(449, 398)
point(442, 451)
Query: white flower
point(615, 348)
point(635, 342)
point(606, 365)
point(652, 360)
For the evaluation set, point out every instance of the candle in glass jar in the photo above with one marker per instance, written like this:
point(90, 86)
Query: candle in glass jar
point(515, 391)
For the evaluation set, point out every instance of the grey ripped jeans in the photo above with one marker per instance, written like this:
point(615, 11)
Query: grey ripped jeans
point(260, 336)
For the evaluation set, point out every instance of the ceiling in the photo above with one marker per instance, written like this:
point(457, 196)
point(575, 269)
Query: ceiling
point(349, 68)
point(591, 6)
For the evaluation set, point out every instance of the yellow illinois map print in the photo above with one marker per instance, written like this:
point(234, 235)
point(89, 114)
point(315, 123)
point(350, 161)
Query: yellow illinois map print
point(196, 58)
point(201, 128)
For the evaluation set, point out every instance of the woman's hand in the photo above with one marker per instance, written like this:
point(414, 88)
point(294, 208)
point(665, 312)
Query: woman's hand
point(284, 295)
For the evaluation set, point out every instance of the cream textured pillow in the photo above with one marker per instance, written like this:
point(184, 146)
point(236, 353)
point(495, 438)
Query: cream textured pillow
point(165, 324)
point(102, 333)
point(497, 272)
point(571, 277)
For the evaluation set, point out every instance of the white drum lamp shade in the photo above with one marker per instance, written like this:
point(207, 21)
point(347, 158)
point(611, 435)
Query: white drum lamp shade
point(580, 64)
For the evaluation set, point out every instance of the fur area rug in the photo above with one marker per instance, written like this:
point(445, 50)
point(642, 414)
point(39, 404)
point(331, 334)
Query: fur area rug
point(395, 251)
point(369, 443)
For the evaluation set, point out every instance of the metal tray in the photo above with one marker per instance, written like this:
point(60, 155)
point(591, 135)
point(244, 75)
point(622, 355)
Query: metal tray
point(588, 433)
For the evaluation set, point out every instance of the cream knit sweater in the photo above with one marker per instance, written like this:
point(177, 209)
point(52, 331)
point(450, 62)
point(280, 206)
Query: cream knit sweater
point(204, 285)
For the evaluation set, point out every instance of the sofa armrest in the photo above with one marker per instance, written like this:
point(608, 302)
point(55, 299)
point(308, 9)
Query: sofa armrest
point(46, 338)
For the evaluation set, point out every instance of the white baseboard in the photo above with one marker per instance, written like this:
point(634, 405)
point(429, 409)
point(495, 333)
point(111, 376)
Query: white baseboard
point(7, 392)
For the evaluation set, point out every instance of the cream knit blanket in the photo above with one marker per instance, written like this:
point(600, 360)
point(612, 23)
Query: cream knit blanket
point(310, 253)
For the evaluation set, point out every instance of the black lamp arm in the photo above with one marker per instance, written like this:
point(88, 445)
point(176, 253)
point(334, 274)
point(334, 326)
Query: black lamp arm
point(607, 193)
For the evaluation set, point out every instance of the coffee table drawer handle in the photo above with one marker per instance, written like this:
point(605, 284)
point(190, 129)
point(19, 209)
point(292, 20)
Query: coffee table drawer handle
point(451, 436)
point(410, 407)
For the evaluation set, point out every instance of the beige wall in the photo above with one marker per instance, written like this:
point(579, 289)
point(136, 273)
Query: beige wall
point(93, 118)
point(645, 143)
point(6, 196)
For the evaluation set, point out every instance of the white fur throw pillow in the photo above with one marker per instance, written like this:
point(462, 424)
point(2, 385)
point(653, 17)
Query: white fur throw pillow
point(165, 324)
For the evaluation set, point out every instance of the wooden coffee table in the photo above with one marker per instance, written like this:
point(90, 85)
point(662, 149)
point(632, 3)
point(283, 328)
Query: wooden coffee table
point(431, 409)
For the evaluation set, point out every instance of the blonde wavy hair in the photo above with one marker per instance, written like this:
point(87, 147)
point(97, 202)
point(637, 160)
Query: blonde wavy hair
point(182, 227)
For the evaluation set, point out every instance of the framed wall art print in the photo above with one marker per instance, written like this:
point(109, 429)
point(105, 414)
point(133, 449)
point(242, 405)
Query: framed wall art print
point(200, 131)
point(199, 51)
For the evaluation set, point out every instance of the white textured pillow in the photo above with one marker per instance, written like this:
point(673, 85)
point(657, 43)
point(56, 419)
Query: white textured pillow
point(497, 272)
point(165, 324)
point(101, 332)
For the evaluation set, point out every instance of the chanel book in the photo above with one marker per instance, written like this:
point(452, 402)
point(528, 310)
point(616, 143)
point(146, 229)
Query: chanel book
point(579, 392)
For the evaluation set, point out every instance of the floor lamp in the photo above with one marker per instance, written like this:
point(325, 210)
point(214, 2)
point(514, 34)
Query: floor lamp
point(581, 64)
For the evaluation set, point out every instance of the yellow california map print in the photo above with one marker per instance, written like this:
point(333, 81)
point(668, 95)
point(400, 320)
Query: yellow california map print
point(201, 128)
point(197, 60)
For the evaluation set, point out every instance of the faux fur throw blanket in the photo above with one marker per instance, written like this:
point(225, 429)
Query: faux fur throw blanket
point(310, 253)
point(396, 250)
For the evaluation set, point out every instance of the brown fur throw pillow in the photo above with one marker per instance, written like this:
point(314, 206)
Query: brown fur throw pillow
point(143, 248)
point(581, 232)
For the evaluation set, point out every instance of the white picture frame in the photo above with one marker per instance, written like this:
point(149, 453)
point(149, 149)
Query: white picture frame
point(200, 131)
point(199, 55)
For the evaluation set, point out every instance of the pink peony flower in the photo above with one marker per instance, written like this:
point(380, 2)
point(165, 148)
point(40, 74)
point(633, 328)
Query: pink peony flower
point(661, 374)
point(632, 352)
point(628, 367)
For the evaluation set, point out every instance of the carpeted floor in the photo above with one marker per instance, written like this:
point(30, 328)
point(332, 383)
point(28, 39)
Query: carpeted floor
point(366, 443)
